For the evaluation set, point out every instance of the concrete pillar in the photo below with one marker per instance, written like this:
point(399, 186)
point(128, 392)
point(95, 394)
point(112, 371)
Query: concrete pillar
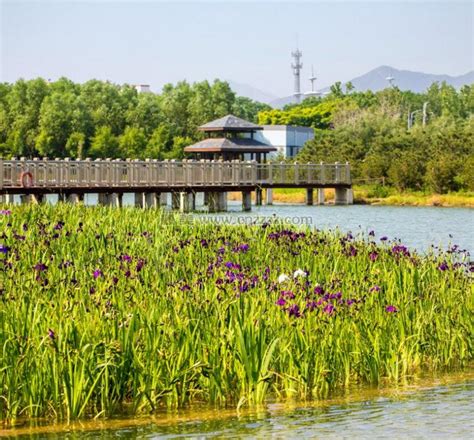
point(258, 197)
point(187, 202)
point(269, 196)
point(206, 199)
point(151, 199)
point(321, 196)
point(74, 198)
point(35, 199)
point(139, 200)
point(350, 196)
point(6, 199)
point(115, 199)
point(309, 196)
point(341, 196)
point(101, 198)
point(217, 201)
point(246, 201)
point(174, 200)
point(164, 199)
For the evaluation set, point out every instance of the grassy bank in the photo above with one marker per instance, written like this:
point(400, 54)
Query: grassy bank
point(104, 311)
point(371, 195)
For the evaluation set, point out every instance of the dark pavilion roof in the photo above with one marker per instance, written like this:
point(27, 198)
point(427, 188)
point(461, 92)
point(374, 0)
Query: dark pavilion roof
point(233, 145)
point(230, 123)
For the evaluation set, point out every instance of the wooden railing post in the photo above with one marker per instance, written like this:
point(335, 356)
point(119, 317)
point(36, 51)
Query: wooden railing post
point(323, 174)
point(296, 172)
point(338, 172)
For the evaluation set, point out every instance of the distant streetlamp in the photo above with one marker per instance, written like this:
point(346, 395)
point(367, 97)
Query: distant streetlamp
point(411, 115)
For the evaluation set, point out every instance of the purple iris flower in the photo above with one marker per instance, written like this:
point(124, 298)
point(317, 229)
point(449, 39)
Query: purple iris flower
point(40, 267)
point(391, 309)
point(5, 212)
point(140, 264)
point(384, 238)
point(59, 225)
point(294, 310)
point(51, 334)
point(97, 273)
point(287, 293)
point(318, 290)
point(371, 233)
point(373, 256)
point(329, 309)
point(204, 243)
point(375, 289)
point(4, 249)
point(400, 250)
point(443, 266)
point(280, 301)
point(311, 305)
point(126, 258)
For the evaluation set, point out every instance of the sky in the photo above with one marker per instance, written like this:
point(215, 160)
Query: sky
point(156, 42)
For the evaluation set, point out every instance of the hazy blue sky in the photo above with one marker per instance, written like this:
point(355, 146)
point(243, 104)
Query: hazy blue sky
point(249, 42)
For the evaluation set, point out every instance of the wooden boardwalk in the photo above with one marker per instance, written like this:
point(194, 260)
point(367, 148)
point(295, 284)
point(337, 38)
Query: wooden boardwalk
point(65, 177)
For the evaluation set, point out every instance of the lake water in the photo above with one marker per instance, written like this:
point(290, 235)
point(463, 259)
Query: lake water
point(435, 411)
point(416, 227)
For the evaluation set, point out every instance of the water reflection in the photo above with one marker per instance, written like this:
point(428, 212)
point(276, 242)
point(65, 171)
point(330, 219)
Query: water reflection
point(442, 411)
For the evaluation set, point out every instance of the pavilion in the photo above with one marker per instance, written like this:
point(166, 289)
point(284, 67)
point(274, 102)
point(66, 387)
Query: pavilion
point(230, 138)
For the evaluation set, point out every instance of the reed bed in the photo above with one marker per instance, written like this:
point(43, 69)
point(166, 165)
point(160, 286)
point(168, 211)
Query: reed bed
point(105, 310)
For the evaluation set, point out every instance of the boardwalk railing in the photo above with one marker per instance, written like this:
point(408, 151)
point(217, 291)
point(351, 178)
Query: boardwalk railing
point(89, 174)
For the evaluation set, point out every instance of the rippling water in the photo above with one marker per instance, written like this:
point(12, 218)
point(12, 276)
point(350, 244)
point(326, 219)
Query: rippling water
point(417, 227)
point(441, 411)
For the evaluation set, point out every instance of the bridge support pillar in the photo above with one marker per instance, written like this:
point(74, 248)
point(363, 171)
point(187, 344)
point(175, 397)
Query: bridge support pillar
point(139, 199)
point(74, 198)
point(246, 201)
point(350, 196)
point(258, 197)
point(6, 199)
point(110, 199)
point(175, 197)
point(187, 202)
point(309, 196)
point(151, 200)
point(35, 199)
point(344, 196)
point(321, 196)
point(269, 196)
point(217, 201)
point(163, 199)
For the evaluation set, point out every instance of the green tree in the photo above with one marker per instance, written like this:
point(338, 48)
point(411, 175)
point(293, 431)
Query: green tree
point(132, 143)
point(104, 144)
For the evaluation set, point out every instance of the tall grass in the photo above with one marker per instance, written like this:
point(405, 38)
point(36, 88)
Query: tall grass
point(104, 311)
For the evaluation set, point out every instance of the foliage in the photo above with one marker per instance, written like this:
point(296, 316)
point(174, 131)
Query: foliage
point(60, 119)
point(105, 309)
point(369, 130)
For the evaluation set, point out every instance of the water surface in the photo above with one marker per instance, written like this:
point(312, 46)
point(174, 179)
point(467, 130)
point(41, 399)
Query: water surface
point(440, 410)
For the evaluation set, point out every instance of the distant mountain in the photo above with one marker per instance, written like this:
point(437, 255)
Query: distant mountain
point(251, 92)
point(418, 82)
point(376, 80)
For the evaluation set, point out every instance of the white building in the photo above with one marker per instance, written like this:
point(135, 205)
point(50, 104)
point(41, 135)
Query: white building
point(142, 88)
point(288, 139)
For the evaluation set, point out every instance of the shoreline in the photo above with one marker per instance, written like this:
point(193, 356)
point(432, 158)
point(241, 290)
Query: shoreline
point(362, 197)
point(199, 412)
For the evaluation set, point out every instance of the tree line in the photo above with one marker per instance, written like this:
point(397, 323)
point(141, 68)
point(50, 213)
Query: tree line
point(371, 131)
point(102, 119)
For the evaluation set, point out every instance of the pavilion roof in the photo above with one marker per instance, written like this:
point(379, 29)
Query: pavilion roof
point(230, 123)
point(233, 145)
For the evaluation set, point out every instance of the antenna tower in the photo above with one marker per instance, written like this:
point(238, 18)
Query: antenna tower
point(297, 66)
